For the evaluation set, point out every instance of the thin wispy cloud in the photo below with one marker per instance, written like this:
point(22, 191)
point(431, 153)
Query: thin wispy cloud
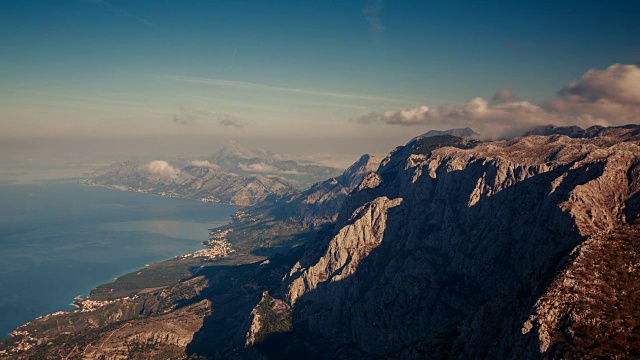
point(372, 14)
point(61, 95)
point(258, 86)
point(126, 13)
point(193, 118)
point(243, 105)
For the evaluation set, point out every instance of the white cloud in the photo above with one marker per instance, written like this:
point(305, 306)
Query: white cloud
point(612, 95)
point(258, 167)
point(258, 86)
point(600, 97)
point(291, 172)
point(496, 118)
point(162, 168)
point(204, 164)
point(266, 168)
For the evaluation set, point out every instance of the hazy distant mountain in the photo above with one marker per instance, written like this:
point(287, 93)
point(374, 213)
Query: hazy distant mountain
point(233, 158)
point(234, 175)
point(321, 203)
point(460, 132)
point(452, 248)
point(194, 182)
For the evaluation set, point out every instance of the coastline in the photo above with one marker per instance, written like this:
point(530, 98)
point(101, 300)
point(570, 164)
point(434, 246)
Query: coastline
point(89, 182)
point(97, 297)
point(68, 187)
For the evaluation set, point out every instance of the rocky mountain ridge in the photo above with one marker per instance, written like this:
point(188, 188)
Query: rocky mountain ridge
point(320, 204)
point(472, 220)
point(452, 248)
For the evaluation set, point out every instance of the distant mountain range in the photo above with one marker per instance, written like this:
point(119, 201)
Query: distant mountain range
point(234, 175)
point(448, 248)
point(236, 159)
point(461, 132)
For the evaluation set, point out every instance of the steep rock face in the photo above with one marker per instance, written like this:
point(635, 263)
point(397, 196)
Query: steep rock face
point(352, 243)
point(590, 310)
point(481, 226)
point(358, 170)
point(270, 316)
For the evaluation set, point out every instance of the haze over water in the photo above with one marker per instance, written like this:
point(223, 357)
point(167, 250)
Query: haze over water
point(60, 239)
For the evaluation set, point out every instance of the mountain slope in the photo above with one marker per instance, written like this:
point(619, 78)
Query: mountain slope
point(320, 204)
point(480, 227)
point(453, 248)
point(585, 315)
point(274, 227)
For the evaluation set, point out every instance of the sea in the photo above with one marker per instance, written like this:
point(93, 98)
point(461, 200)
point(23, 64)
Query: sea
point(60, 239)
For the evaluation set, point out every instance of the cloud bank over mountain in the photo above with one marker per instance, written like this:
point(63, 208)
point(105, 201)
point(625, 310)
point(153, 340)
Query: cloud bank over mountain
point(601, 97)
point(612, 94)
point(204, 164)
point(162, 168)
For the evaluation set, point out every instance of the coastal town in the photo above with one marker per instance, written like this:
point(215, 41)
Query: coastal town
point(217, 246)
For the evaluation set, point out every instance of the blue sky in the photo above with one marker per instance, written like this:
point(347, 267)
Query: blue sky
point(278, 69)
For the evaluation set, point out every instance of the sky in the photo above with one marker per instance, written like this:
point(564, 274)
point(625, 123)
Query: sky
point(108, 78)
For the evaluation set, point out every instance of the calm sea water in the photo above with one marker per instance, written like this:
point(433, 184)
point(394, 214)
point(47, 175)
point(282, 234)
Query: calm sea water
point(59, 239)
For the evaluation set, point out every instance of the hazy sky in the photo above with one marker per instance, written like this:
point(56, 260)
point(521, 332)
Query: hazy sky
point(135, 77)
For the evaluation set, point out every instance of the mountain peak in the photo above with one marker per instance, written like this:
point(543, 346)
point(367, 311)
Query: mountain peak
point(358, 170)
point(458, 132)
point(570, 131)
point(233, 149)
point(578, 132)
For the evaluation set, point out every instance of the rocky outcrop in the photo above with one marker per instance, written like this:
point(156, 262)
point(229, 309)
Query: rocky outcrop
point(269, 317)
point(158, 323)
point(352, 243)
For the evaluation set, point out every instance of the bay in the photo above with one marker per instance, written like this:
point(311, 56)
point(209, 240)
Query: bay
point(60, 239)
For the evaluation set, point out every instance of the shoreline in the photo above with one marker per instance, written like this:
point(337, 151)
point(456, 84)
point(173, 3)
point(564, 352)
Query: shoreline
point(78, 299)
point(88, 182)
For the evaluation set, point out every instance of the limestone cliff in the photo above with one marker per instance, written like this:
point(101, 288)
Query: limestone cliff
point(454, 268)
